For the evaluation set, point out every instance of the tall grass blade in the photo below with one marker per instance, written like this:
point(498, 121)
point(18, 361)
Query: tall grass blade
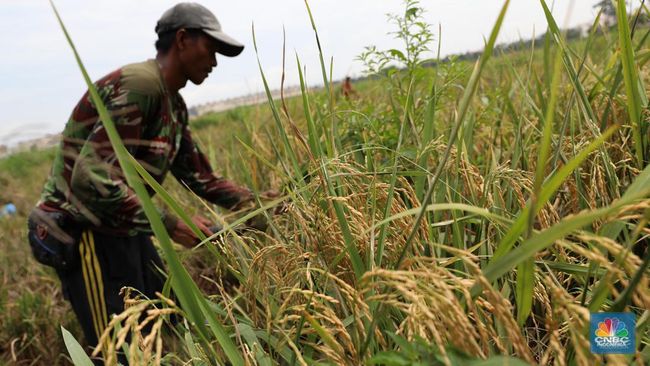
point(166, 197)
point(547, 134)
point(278, 121)
point(427, 135)
point(333, 144)
point(326, 83)
point(632, 83)
point(314, 136)
point(177, 210)
point(428, 132)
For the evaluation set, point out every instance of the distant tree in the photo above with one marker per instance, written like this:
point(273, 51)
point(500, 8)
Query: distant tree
point(608, 6)
point(644, 18)
point(609, 11)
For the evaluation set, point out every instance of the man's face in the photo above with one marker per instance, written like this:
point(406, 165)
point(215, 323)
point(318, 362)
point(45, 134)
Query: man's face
point(198, 56)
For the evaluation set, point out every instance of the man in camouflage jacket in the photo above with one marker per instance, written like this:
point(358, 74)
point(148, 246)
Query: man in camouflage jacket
point(86, 204)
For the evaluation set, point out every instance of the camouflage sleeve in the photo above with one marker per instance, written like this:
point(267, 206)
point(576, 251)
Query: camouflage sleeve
point(192, 168)
point(97, 179)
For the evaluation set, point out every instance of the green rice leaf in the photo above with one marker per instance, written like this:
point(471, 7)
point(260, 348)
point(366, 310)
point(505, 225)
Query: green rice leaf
point(525, 288)
point(77, 353)
point(632, 82)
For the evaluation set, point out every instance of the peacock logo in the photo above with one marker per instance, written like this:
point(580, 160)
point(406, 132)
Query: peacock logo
point(612, 327)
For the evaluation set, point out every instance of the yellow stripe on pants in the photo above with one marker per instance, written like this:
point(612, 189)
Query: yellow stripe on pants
point(103, 318)
point(85, 255)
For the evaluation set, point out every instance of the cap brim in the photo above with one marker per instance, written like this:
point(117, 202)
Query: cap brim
point(230, 47)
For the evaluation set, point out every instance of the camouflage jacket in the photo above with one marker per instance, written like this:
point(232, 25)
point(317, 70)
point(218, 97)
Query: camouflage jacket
point(86, 181)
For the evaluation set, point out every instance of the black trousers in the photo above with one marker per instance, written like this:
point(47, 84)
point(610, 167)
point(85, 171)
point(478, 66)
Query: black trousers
point(106, 264)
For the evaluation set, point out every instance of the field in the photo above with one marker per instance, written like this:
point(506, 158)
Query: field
point(451, 212)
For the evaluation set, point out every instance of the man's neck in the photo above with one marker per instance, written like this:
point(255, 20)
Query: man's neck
point(171, 74)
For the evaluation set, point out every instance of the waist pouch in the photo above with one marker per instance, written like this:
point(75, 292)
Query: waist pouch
point(54, 239)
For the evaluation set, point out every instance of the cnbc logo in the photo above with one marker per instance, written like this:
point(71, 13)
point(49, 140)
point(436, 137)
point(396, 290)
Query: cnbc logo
point(612, 333)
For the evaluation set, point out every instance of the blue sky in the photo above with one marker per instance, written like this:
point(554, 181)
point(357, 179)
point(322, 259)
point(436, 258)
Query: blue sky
point(40, 83)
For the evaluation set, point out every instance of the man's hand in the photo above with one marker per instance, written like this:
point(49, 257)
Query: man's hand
point(183, 235)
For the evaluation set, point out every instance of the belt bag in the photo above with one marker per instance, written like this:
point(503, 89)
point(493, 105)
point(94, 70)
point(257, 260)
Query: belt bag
point(54, 239)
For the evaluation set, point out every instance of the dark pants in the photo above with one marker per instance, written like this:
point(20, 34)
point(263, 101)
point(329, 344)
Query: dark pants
point(106, 264)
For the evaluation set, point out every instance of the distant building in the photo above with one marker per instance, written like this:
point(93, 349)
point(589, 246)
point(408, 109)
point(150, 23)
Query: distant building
point(44, 142)
point(251, 99)
point(39, 143)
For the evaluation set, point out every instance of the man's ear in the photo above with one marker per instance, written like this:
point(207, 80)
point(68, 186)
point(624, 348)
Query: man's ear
point(181, 38)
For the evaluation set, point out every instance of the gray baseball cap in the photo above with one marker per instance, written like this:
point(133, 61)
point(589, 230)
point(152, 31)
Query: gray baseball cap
point(196, 16)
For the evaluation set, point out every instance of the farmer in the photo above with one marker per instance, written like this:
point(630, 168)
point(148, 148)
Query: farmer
point(89, 224)
point(346, 88)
